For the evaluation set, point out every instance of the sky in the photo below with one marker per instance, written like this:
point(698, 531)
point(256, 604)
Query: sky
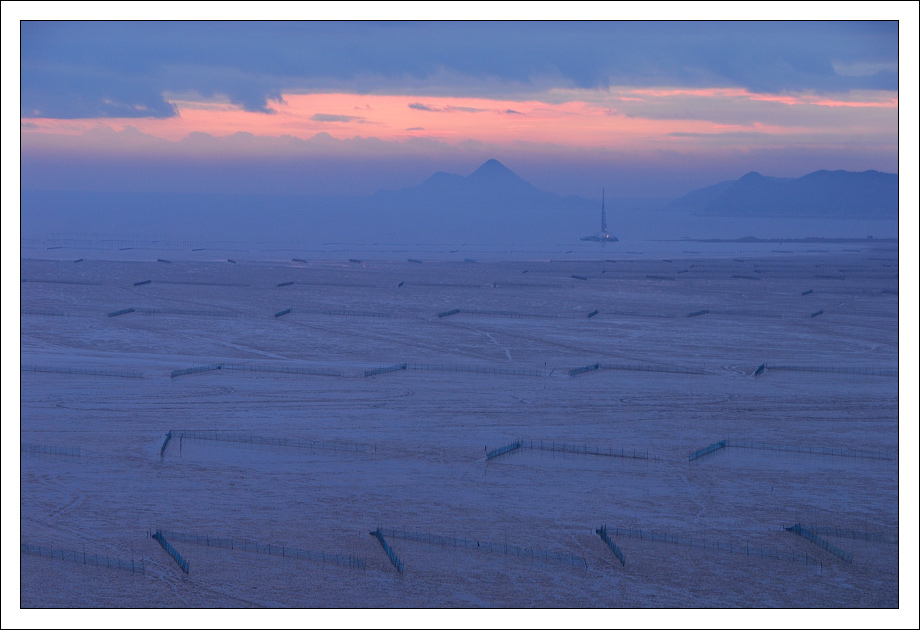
point(643, 109)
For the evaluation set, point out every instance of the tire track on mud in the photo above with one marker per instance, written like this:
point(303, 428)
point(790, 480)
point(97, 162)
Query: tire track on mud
point(118, 407)
point(393, 339)
point(202, 339)
point(75, 498)
point(176, 583)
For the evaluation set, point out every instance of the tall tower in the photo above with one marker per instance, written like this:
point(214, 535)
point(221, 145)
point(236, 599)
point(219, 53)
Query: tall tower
point(603, 215)
point(603, 236)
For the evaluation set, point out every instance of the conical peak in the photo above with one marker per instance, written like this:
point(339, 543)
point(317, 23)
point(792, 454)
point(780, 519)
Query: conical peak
point(492, 163)
point(492, 168)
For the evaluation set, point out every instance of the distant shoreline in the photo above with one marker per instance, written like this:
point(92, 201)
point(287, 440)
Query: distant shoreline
point(810, 239)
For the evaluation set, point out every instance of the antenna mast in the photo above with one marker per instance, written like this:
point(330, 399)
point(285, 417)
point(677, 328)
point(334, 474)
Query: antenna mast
point(603, 214)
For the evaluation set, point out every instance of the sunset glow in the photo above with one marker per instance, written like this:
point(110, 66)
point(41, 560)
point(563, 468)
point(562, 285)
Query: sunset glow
point(600, 121)
point(374, 105)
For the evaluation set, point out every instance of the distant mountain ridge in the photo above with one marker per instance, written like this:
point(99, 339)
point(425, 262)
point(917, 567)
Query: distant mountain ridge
point(822, 194)
point(492, 203)
point(490, 206)
point(491, 185)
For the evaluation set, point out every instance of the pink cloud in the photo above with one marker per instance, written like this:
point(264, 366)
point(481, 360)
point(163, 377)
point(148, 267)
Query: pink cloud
point(600, 120)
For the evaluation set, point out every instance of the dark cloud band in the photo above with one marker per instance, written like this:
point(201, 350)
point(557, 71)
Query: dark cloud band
point(103, 69)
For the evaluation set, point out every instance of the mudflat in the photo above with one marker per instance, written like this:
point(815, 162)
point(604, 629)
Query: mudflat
point(485, 419)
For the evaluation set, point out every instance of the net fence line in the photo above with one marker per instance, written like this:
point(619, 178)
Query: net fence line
point(511, 314)
point(833, 370)
point(82, 371)
point(791, 448)
point(634, 368)
point(583, 449)
point(809, 450)
point(44, 449)
point(281, 369)
point(814, 538)
point(465, 369)
point(384, 370)
point(644, 315)
point(347, 285)
point(53, 281)
point(652, 368)
point(202, 284)
point(78, 557)
point(196, 370)
point(394, 559)
point(165, 544)
point(490, 547)
point(179, 311)
point(708, 545)
point(854, 534)
point(474, 369)
point(283, 551)
point(494, 313)
point(257, 440)
point(602, 532)
point(503, 450)
point(173, 311)
point(346, 313)
point(707, 450)
point(754, 314)
point(449, 285)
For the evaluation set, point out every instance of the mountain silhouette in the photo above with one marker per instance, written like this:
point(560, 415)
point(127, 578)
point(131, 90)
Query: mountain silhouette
point(822, 194)
point(489, 204)
point(492, 205)
point(494, 174)
point(492, 184)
